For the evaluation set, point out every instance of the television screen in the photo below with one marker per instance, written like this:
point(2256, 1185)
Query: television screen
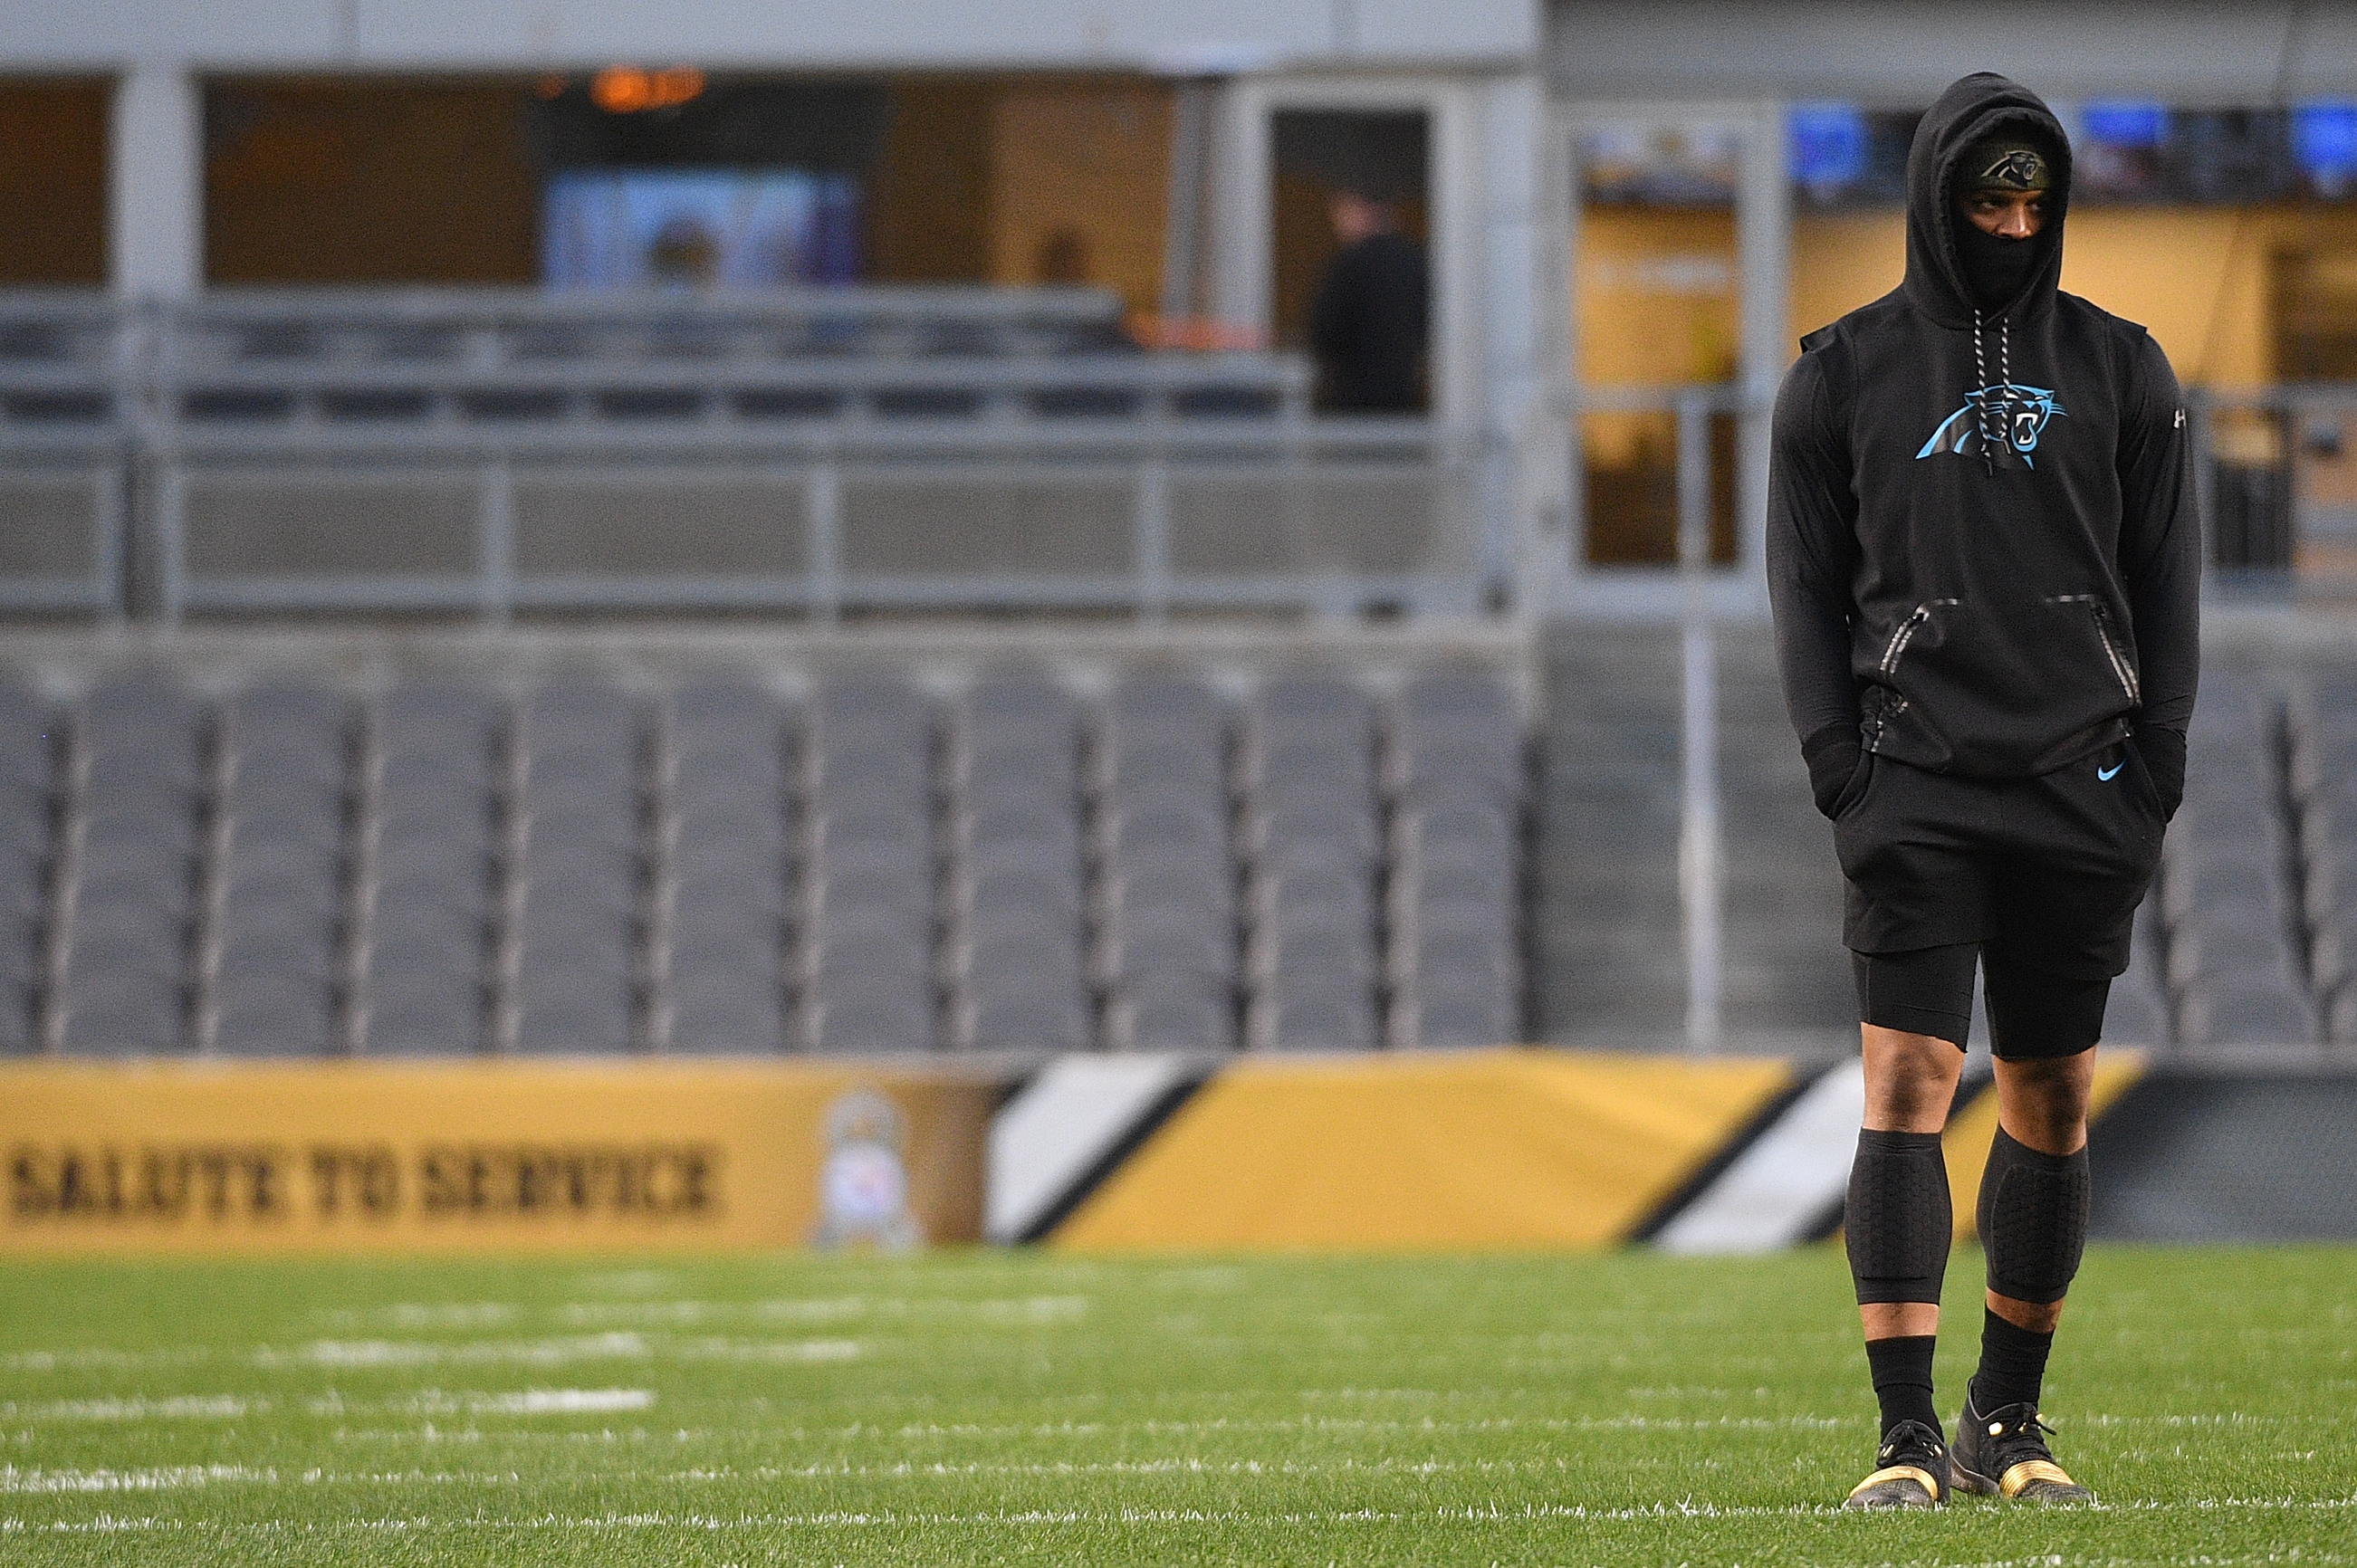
point(699, 227)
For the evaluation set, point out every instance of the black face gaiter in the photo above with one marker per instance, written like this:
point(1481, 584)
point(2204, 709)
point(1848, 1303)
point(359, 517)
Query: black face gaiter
point(1998, 268)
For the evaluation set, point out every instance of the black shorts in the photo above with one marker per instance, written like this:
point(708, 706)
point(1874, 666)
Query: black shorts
point(2033, 1014)
point(2041, 877)
point(2048, 869)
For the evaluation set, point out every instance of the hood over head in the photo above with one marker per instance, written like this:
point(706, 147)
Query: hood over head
point(1973, 112)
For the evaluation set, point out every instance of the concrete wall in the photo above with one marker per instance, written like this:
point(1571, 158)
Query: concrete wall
point(480, 35)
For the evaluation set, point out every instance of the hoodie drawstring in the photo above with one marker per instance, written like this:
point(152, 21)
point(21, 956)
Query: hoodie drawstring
point(2005, 393)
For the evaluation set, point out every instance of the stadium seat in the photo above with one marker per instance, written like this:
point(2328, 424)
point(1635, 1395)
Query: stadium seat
point(425, 870)
point(130, 871)
point(1311, 838)
point(1013, 898)
point(1167, 1010)
point(1434, 1017)
point(1455, 734)
point(866, 917)
point(2135, 1015)
point(845, 1021)
point(574, 898)
point(721, 876)
point(1312, 1016)
point(268, 973)
point(27, 765)
point(1165, 895)
point(2238, 968)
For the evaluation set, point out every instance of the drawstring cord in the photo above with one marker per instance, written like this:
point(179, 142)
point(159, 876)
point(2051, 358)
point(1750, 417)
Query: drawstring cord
point(2005, 393)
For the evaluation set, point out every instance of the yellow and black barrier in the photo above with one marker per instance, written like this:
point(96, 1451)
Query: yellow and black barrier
point(1493, 1150)
point(486, 1157)
point(1479, 1150)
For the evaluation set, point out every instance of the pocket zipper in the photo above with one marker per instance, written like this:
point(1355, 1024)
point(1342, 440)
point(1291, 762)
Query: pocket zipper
point(1906, 633)
point(2121, 671)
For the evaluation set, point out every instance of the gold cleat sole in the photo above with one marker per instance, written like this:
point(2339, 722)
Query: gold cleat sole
point(1898, 1486)
point(2031, 1481)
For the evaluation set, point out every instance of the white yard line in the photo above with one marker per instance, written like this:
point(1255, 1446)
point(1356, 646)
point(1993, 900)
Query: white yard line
point(139, 1407)
point(366, 1353)
point(892, 1519)
point(786, 1350)
point(561, 1402)
point(170, 1477)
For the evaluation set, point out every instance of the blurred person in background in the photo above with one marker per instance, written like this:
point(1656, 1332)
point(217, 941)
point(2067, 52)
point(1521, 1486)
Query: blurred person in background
point(683, 254)
point(1367, 322)
point(1984, 563)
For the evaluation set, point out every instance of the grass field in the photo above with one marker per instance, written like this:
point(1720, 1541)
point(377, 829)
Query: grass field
point(997, 1408)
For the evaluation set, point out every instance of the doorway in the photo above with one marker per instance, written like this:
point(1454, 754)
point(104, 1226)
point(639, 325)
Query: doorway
point(1679, 221)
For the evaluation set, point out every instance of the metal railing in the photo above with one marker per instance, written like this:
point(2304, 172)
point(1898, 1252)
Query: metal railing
point(814, 450)
point(2277, 471)
point(2276, 468)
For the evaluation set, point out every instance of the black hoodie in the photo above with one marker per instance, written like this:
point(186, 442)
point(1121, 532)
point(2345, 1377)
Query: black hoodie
point(1982, 547)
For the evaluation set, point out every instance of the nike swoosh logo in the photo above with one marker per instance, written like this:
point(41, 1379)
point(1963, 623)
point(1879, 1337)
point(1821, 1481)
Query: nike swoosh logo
point(2108, 774)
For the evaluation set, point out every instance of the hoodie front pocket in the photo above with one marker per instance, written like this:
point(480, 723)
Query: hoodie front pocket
point(2123, 669)
point(1896, 648)
point(1993, 689)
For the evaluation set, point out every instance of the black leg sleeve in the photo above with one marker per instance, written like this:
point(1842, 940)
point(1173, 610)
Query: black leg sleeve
point(1899, 1220)
point(2033, 1220)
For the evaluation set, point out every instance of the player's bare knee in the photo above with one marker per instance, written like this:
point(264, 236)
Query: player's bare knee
point(2035, 1316)
point(1911, 1080)
point(2044, 1103)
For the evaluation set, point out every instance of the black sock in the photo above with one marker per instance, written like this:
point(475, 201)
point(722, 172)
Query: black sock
point(1903, 1380)
point(2013, 1365)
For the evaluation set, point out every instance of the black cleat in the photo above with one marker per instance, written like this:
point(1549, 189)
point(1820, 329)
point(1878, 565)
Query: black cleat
point(2004, 1455)
point(1911, 1471)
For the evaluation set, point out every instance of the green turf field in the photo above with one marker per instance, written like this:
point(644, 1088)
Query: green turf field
point(997, 1408)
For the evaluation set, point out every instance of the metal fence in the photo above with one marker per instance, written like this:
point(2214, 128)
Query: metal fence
point(2275, 468)
point(808, 450)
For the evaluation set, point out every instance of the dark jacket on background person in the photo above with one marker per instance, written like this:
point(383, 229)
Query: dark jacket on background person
point(1982, 547)
point(1367, 326)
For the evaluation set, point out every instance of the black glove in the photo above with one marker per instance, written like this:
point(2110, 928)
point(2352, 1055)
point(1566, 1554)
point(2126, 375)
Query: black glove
point(2162, 752)
point(1832, 755)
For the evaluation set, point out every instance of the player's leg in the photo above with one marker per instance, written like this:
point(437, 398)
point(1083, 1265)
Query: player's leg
point(1898, 1223)
point(2080, 848)
point(2032, 1217)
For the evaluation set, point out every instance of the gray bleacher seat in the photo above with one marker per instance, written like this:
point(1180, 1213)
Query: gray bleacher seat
point(27, 763)
point(1314, 1016)
point(858, 1016)
point(270, 975)
point(1014, 896)
point(1168, 1010)
point(1166, 957)
point(864, 962)
point(2324, 784)
point(2138, 1013)
point(573, 900)
point(2269, 1008)
point(1311, 849)
point(1453, 1012)
point(2234, 971)
point(425, 903)
point(136, 797)
point(721, 880)
point(1455, 770)
point(1460, 728)
point(1312, 846)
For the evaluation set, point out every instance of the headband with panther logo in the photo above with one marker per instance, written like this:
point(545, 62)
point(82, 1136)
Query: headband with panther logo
point(2005, 165)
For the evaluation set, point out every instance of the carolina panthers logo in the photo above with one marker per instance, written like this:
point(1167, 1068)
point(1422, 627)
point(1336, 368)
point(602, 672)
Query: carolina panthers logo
point(2019, 169)
point(2020, 412)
